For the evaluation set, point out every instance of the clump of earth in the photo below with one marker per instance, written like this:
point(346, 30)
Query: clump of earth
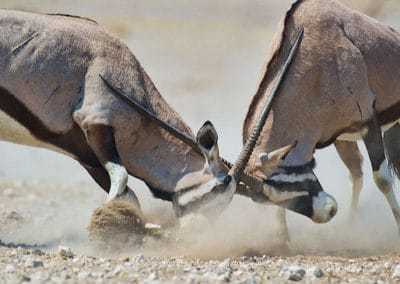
point(118, 224)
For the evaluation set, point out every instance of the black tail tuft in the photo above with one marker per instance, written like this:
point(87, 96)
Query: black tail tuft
point(391, 141)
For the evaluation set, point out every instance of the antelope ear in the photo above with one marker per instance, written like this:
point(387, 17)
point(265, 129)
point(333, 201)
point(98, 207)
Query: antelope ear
point(207, 139)
point(274, 158)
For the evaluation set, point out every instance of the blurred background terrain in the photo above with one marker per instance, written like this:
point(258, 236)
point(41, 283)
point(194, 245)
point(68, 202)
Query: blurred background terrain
point(205, 58)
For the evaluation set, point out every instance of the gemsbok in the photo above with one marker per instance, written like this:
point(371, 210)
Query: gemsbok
point(343, 86)
point(68, 85)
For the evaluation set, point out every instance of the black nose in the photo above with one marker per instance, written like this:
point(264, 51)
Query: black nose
point(227, 179)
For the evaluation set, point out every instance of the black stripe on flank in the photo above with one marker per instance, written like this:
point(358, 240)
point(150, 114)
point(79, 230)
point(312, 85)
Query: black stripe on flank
point(73, 141)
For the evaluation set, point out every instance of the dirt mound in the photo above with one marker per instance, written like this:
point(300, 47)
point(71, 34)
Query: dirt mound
point(10, 220)
point(116, 224)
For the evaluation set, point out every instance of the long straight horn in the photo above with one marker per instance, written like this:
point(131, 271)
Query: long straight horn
point(237, 170)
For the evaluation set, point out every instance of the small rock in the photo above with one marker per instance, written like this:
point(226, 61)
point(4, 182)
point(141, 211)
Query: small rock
point(210, 276)
point(225, 276)
point(396, 272)
point(33, 262)
point(65, 252)
point(10, 268)
point(387, 265)
point(40, 277)
point(152, 277)
point(150, 226)
point(25, 279)
point(83, 275)
point(139, 258)
point(225, 265)
point(250, 280)
point(38, 252)
point(294, 273)
point(315, 271)
point(98, 275)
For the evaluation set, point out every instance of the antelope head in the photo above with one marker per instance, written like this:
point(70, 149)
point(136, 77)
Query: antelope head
point(215, 189)
point(297, 188)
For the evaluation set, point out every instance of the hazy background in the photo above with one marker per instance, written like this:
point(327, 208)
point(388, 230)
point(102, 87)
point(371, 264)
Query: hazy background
point(205, 58)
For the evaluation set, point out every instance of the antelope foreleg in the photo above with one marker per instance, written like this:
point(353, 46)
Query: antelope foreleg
point(102, 178)
point(350, 154)
point(101, 138)
point(381, 172)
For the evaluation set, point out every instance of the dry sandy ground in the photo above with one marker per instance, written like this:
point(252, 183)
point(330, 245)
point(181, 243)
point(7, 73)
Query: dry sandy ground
point(205, 58)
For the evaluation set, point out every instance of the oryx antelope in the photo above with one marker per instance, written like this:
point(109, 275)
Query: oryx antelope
point(67, 85)
point(343, 85)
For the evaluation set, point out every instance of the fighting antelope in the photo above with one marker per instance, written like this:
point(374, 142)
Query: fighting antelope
point(68, 85)
point(342, 86)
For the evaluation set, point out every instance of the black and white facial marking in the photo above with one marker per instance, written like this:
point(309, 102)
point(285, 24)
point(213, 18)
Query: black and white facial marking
point(208, 199)
point(298, 189)
point(212, 195)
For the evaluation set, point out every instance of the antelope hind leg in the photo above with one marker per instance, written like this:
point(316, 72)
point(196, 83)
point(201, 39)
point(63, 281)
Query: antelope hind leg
point(350, 154)
point(381, 172)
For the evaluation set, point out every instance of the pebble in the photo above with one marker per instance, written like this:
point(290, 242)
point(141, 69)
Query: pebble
point(225, 276)
point(83, 275)
point(250, 280)
point(387, 265)
point(10, 268)
point(294, 273)
point(315, 271)
point(33, 262)
point(396, 272)
point(225, 265)
point(139, 258)
point(152, 277)
point(65, 252)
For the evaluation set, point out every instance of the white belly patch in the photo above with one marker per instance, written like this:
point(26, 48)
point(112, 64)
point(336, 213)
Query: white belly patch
point(12, 131)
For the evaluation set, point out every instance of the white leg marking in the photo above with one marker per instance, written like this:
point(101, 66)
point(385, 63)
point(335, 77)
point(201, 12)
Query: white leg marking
point(357, 185)
point(383, 177)
point(119, 179)
point(383, 180)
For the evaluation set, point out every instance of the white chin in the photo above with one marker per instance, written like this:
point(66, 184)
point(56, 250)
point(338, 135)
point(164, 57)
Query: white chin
point(325, 208)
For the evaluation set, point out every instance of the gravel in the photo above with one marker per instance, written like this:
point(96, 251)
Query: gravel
point(19, 265)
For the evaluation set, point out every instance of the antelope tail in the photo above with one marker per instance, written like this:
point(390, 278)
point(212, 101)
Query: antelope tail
point(391, 141)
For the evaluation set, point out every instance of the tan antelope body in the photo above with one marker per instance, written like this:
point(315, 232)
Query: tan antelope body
point(343, 85)
point(66, 84)
point(52, 96)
